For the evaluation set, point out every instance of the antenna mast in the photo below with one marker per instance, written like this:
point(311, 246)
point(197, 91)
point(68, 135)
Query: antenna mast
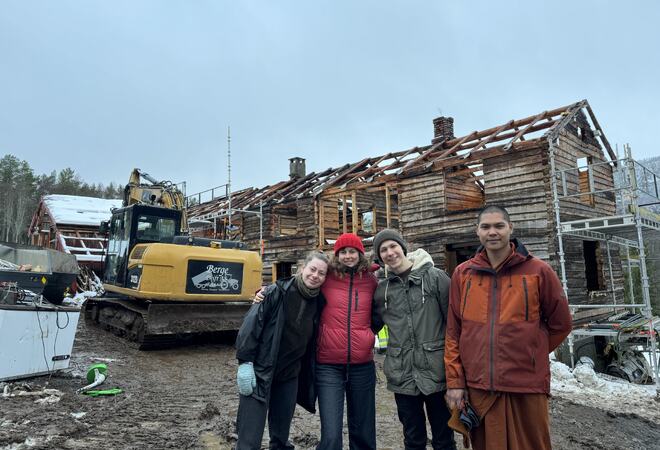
point(229, 177)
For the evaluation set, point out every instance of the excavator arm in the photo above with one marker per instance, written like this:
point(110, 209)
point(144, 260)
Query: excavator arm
point(154, 192)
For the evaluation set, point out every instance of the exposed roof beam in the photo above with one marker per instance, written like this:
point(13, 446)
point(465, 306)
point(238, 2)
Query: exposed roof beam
point(527, 127)
point(423, 155)
point(602, 137)
point(567, 116)
point(371, 169)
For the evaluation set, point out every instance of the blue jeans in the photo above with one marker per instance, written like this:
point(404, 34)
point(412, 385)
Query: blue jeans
point(358, 383)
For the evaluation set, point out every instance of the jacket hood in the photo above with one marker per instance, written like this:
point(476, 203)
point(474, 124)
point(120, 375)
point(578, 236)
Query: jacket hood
point(520, 255)
point(419, 258)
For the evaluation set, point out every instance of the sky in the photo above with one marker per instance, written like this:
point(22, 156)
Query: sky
point(106, 86)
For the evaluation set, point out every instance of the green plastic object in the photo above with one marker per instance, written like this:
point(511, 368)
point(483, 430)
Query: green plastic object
point(102, 368)
point(113, 391)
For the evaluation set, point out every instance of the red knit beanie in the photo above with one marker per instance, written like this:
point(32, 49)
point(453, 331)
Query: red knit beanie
point(349, 240)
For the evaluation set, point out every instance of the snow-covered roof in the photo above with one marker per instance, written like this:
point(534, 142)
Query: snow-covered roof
point(77, 210)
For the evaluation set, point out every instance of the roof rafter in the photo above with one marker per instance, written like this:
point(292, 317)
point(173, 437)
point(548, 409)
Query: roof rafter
point(460, 153)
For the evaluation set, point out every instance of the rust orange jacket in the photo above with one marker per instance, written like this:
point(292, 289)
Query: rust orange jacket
point(502, 324)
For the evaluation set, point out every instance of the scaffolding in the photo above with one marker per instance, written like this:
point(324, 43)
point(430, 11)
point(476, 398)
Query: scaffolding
point(210, 219)
point(635, 186)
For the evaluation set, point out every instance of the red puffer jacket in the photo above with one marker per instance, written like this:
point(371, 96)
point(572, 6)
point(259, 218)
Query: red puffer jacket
point(347, 313)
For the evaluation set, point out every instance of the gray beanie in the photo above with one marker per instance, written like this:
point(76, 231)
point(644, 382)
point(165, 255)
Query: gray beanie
point(387, 235)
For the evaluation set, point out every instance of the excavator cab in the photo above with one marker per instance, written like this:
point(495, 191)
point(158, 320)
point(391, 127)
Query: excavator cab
point(132, 225)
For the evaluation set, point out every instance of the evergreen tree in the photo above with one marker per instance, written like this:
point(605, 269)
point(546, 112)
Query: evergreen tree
point(46, 184)
point(21, 191)
point(68, 182)
point(17, 198)
point(26, 200)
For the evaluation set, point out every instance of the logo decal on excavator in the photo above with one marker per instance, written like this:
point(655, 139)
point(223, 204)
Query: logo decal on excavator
point(134, 276)
point(214, 277)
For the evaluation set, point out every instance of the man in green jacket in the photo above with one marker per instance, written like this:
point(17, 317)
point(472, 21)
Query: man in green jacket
point(412, 301)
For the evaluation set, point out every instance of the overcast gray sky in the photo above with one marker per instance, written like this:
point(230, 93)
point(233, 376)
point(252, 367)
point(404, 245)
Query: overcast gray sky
point(105, 86)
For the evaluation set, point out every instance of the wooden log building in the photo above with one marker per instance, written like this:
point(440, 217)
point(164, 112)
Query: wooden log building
point(433, 193)
point(70, 223)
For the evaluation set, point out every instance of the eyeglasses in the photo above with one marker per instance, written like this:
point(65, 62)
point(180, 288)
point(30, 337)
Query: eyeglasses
point(469, 417)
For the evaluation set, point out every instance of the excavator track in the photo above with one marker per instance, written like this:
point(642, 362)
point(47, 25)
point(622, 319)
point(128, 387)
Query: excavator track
point(151, 325)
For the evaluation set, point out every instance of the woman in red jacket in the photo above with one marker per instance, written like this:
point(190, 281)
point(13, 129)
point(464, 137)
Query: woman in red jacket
point(345, 366)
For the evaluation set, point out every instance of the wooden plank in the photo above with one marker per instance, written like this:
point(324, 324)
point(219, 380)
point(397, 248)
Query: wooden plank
point(486, 153)
point(343, 215)
point(422, 156)
point(321, 221)
point(455, 147)
point(354, 212)
point(388, 210)
point(493, 136)
point(525, 129)
point(608, 147)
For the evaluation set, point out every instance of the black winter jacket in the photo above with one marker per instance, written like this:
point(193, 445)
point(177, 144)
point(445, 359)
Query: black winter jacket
point(259, 339)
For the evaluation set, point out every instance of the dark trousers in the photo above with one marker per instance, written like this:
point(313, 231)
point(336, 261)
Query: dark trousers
point(413, 419)
point(251, 417)
point(358, 383)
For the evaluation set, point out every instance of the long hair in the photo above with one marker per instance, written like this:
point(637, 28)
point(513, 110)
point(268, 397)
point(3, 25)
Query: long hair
point(339, 269)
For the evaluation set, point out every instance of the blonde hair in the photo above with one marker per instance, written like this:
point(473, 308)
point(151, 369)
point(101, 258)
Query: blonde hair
point(314, 254)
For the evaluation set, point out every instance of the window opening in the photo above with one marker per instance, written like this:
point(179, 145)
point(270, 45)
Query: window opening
point(368, 221)
point(456, 254)
point(283, 269)
point(585, 181)
point(592, 266)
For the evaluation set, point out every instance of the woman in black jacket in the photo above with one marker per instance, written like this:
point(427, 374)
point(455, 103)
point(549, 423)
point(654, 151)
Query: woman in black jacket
point(275, 351)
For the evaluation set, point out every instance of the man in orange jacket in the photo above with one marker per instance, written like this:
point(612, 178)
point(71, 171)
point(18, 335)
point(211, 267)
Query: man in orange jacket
point(507, 311)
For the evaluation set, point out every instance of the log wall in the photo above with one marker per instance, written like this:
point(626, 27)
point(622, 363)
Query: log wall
point(515, 181)
point(569, 149)
point(519, 181)
point(571, 146)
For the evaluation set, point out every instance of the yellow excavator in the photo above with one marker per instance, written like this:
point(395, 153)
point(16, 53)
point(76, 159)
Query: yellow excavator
point(162, 284)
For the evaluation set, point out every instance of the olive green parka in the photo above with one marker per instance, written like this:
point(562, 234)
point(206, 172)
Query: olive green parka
point(415, 313)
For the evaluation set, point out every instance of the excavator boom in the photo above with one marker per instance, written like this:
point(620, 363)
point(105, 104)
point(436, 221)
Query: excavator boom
point(153, 192)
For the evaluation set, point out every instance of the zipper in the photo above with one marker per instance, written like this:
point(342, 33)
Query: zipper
point(348, 324)
point(467, 290)
point(411, 327)
point(356, 299)
point(493, 315)
point(526, 299)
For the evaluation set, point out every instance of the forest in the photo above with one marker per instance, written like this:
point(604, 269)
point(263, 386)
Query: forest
point(21, 189)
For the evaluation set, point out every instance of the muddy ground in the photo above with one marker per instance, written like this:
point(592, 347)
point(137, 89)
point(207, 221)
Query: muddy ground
point(185, 398)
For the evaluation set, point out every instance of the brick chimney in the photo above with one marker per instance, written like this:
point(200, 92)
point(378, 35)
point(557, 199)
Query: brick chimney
point(443, 128)
point(296, 168)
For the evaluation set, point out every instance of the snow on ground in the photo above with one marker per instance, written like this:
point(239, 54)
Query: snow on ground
point(585, 387)
point(77, 210)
